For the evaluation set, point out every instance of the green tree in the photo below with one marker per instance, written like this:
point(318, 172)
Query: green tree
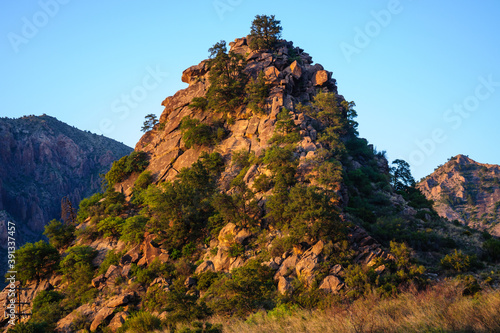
point(265, 32)
point(257, 91)
point(227, 79)
point(240, 207)
point(60, 234)
point(149, 122)
point(196, 133)
point(78, 258)
point(133, 229)
point(47, 307)
point(247, 289)
point(35, 261)
point(311, 215)
point(401, 175)
point(180, 209)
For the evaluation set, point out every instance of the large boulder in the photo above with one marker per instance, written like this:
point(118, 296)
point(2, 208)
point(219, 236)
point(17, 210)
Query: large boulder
point(320, 78)
point(272, 75)
point(296, 70)
point(205, 267)
point(65, 325)
point(119, 300)
point(222, 260)
point(231, 234)
point(287, 266)
point(306, 269)
point(193, 73)
point(284, 286)
point(100, 317)
point(150, 250)
point(132, 256)
point(331, 284)
point(117, 321)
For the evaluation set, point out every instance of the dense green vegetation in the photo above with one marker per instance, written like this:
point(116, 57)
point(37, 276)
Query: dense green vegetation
point(137, 161)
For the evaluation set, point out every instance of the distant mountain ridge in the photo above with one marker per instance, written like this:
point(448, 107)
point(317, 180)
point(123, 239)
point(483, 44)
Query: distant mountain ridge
point(43, 160)
point(465, 190)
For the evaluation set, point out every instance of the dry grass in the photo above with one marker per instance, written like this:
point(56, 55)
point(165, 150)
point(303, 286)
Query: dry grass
point(442, 308)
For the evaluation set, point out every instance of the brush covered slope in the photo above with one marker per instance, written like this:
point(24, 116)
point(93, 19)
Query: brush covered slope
point(467, 191)
point(252, 193)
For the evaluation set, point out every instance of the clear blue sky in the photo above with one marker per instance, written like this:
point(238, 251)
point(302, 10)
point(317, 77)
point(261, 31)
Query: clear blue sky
point(425, 75)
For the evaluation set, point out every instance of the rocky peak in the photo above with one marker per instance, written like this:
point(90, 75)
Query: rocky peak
point(465, 190)
point(292, 79)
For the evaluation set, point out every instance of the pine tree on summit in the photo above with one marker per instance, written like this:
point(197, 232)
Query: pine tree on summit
point(265, 32)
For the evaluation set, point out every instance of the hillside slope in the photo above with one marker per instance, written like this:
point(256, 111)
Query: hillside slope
point(43, 160)
point(465, 190)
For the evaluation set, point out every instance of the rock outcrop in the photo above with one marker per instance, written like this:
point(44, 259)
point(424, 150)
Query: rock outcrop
point(465, 190)
point(295, 263)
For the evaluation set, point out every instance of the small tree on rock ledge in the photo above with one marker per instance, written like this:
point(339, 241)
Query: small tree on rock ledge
point(265, 32)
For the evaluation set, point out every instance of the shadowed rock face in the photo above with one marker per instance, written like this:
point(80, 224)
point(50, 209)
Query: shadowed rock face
point(467, 191)
point(41, 161)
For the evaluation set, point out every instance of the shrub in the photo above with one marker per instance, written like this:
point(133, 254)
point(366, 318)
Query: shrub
point(142, 182)
point(35, 261)
point(236, 249)
point(492, 248)
point(199, 103)
point(46, 307)
point(257, 91)
point(285, 130)
point(142, 322)
point(137, 161)
point(262, 183)
point(457, 261)
point(360, 281)
point(89, 206)
point(133, 229)
point(112, 258)
point(78, 258)
point(110, 226)
point(206, 279)
point(196, 133)
point(242, 158)
point(29, 327)
point(60, 234)
point(181, 306)
point(249, 288)
point(146, 275)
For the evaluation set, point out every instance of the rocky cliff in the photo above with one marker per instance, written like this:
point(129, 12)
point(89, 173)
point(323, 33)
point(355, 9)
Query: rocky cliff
point(465, 190)
point(43, 160)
